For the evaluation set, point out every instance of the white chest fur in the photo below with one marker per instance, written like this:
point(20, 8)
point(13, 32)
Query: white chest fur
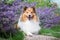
point(29, 26)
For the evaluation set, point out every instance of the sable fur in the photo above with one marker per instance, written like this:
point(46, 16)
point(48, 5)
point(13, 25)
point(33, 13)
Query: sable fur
point(29, 21)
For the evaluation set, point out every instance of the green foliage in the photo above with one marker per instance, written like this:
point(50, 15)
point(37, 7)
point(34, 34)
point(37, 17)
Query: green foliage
point(56, 28)
point(54, 31)
point(8, 1)
point(30, 1)
point(40, 3)
point(45, 31)
point(57, 11)
point(18, 36)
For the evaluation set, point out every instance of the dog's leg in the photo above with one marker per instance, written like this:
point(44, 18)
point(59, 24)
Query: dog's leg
point(29, 34)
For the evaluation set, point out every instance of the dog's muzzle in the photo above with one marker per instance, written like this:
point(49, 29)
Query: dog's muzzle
point(30, 17)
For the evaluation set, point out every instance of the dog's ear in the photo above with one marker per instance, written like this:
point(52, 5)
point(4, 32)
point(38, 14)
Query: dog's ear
point(34, 9)
point(24, 9)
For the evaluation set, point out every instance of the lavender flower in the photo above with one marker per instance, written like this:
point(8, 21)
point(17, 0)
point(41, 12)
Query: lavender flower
point(48, 17)
point(9, 14)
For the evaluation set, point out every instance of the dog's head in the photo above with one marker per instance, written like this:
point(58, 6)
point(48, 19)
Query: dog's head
point(29, 12)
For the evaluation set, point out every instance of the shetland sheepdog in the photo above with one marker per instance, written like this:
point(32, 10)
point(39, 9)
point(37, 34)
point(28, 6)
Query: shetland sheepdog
point(29, 21)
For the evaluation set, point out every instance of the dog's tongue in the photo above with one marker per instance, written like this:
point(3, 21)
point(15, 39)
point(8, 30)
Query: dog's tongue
point(30, 17)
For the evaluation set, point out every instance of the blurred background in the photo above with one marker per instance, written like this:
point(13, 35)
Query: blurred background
point(47, 10)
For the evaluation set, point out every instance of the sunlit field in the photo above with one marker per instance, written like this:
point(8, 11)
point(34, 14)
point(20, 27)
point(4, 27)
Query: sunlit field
point(10, 10)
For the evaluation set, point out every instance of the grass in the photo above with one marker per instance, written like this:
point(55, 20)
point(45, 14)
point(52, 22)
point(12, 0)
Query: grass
point(54, 31)
point(18, 36)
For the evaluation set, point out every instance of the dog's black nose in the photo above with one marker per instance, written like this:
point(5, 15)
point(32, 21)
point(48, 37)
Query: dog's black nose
point(29, 15)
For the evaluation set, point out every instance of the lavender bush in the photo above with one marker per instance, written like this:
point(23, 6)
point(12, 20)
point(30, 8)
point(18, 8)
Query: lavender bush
point(9, 14)
point(48, 17)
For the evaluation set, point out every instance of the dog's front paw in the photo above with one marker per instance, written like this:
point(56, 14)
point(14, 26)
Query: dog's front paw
point(29, 34)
